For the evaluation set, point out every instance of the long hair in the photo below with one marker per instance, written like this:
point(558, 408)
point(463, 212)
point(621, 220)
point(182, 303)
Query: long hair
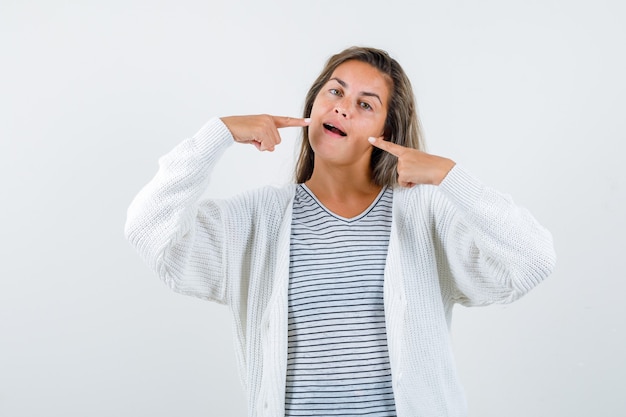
point(402, 125)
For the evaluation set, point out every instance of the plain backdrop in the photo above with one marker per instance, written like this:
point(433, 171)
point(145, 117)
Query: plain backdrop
point(528, 95)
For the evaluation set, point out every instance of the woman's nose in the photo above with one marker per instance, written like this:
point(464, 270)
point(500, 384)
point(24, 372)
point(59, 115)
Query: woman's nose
point(341, 111)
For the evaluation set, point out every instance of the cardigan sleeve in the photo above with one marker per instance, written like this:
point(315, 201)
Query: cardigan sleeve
point(178, 236)
point(495, 250)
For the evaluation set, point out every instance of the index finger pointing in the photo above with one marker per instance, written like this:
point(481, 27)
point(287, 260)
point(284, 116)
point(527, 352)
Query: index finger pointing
point(282, 121)
point(392, 148)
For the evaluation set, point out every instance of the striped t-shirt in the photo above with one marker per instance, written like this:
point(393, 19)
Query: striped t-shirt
point(337, 362)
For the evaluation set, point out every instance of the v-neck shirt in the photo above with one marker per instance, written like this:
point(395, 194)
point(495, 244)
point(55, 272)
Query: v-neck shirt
point(337, 360)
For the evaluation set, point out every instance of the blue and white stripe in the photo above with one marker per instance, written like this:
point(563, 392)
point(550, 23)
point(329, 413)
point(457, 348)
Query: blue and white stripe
point(337, 363)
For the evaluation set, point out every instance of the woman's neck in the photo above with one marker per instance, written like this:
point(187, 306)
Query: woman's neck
point(347, 192)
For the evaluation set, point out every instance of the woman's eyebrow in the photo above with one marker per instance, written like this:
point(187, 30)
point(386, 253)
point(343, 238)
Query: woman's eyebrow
point(365, 93)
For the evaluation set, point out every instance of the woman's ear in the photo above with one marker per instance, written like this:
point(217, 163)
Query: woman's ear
point(386, 134)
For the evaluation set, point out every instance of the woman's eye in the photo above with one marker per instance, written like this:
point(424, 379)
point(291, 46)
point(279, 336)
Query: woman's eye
point(335, 92)
point(365, 106)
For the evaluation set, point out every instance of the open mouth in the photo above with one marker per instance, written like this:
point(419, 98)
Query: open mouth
point(333, 129)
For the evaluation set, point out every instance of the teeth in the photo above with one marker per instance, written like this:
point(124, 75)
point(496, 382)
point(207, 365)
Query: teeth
point(334, 129)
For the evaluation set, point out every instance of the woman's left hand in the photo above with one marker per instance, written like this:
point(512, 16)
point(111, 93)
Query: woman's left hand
point(414, 166)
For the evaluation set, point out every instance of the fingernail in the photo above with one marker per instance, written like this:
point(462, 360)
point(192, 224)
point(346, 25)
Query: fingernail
point(371, 139)
point(307, 120)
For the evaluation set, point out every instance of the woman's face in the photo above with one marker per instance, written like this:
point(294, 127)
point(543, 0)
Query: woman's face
point(350, 107)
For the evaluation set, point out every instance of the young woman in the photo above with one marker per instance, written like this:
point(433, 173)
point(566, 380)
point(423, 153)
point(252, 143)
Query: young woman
point(342, 285)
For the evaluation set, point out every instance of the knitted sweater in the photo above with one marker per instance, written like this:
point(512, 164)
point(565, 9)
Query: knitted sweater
point(459, 242)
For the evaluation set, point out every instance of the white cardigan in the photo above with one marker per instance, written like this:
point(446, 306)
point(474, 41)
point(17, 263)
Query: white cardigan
point(458, 242)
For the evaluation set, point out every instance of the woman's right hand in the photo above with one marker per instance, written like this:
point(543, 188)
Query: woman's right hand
point(261, 130)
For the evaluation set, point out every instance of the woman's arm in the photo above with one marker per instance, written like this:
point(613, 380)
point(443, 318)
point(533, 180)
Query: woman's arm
point(179, 238)
point(496, 251)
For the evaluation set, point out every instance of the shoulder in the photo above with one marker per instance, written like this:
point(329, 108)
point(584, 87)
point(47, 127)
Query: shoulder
point(417, 197)
point(273, 194)
point(460, 188)
point(267, 200)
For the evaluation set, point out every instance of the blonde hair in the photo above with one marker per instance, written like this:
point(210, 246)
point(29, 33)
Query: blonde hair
point(402, 125)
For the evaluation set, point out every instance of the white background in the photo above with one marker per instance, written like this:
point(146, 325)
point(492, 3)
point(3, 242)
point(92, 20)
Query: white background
point(529, 95)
